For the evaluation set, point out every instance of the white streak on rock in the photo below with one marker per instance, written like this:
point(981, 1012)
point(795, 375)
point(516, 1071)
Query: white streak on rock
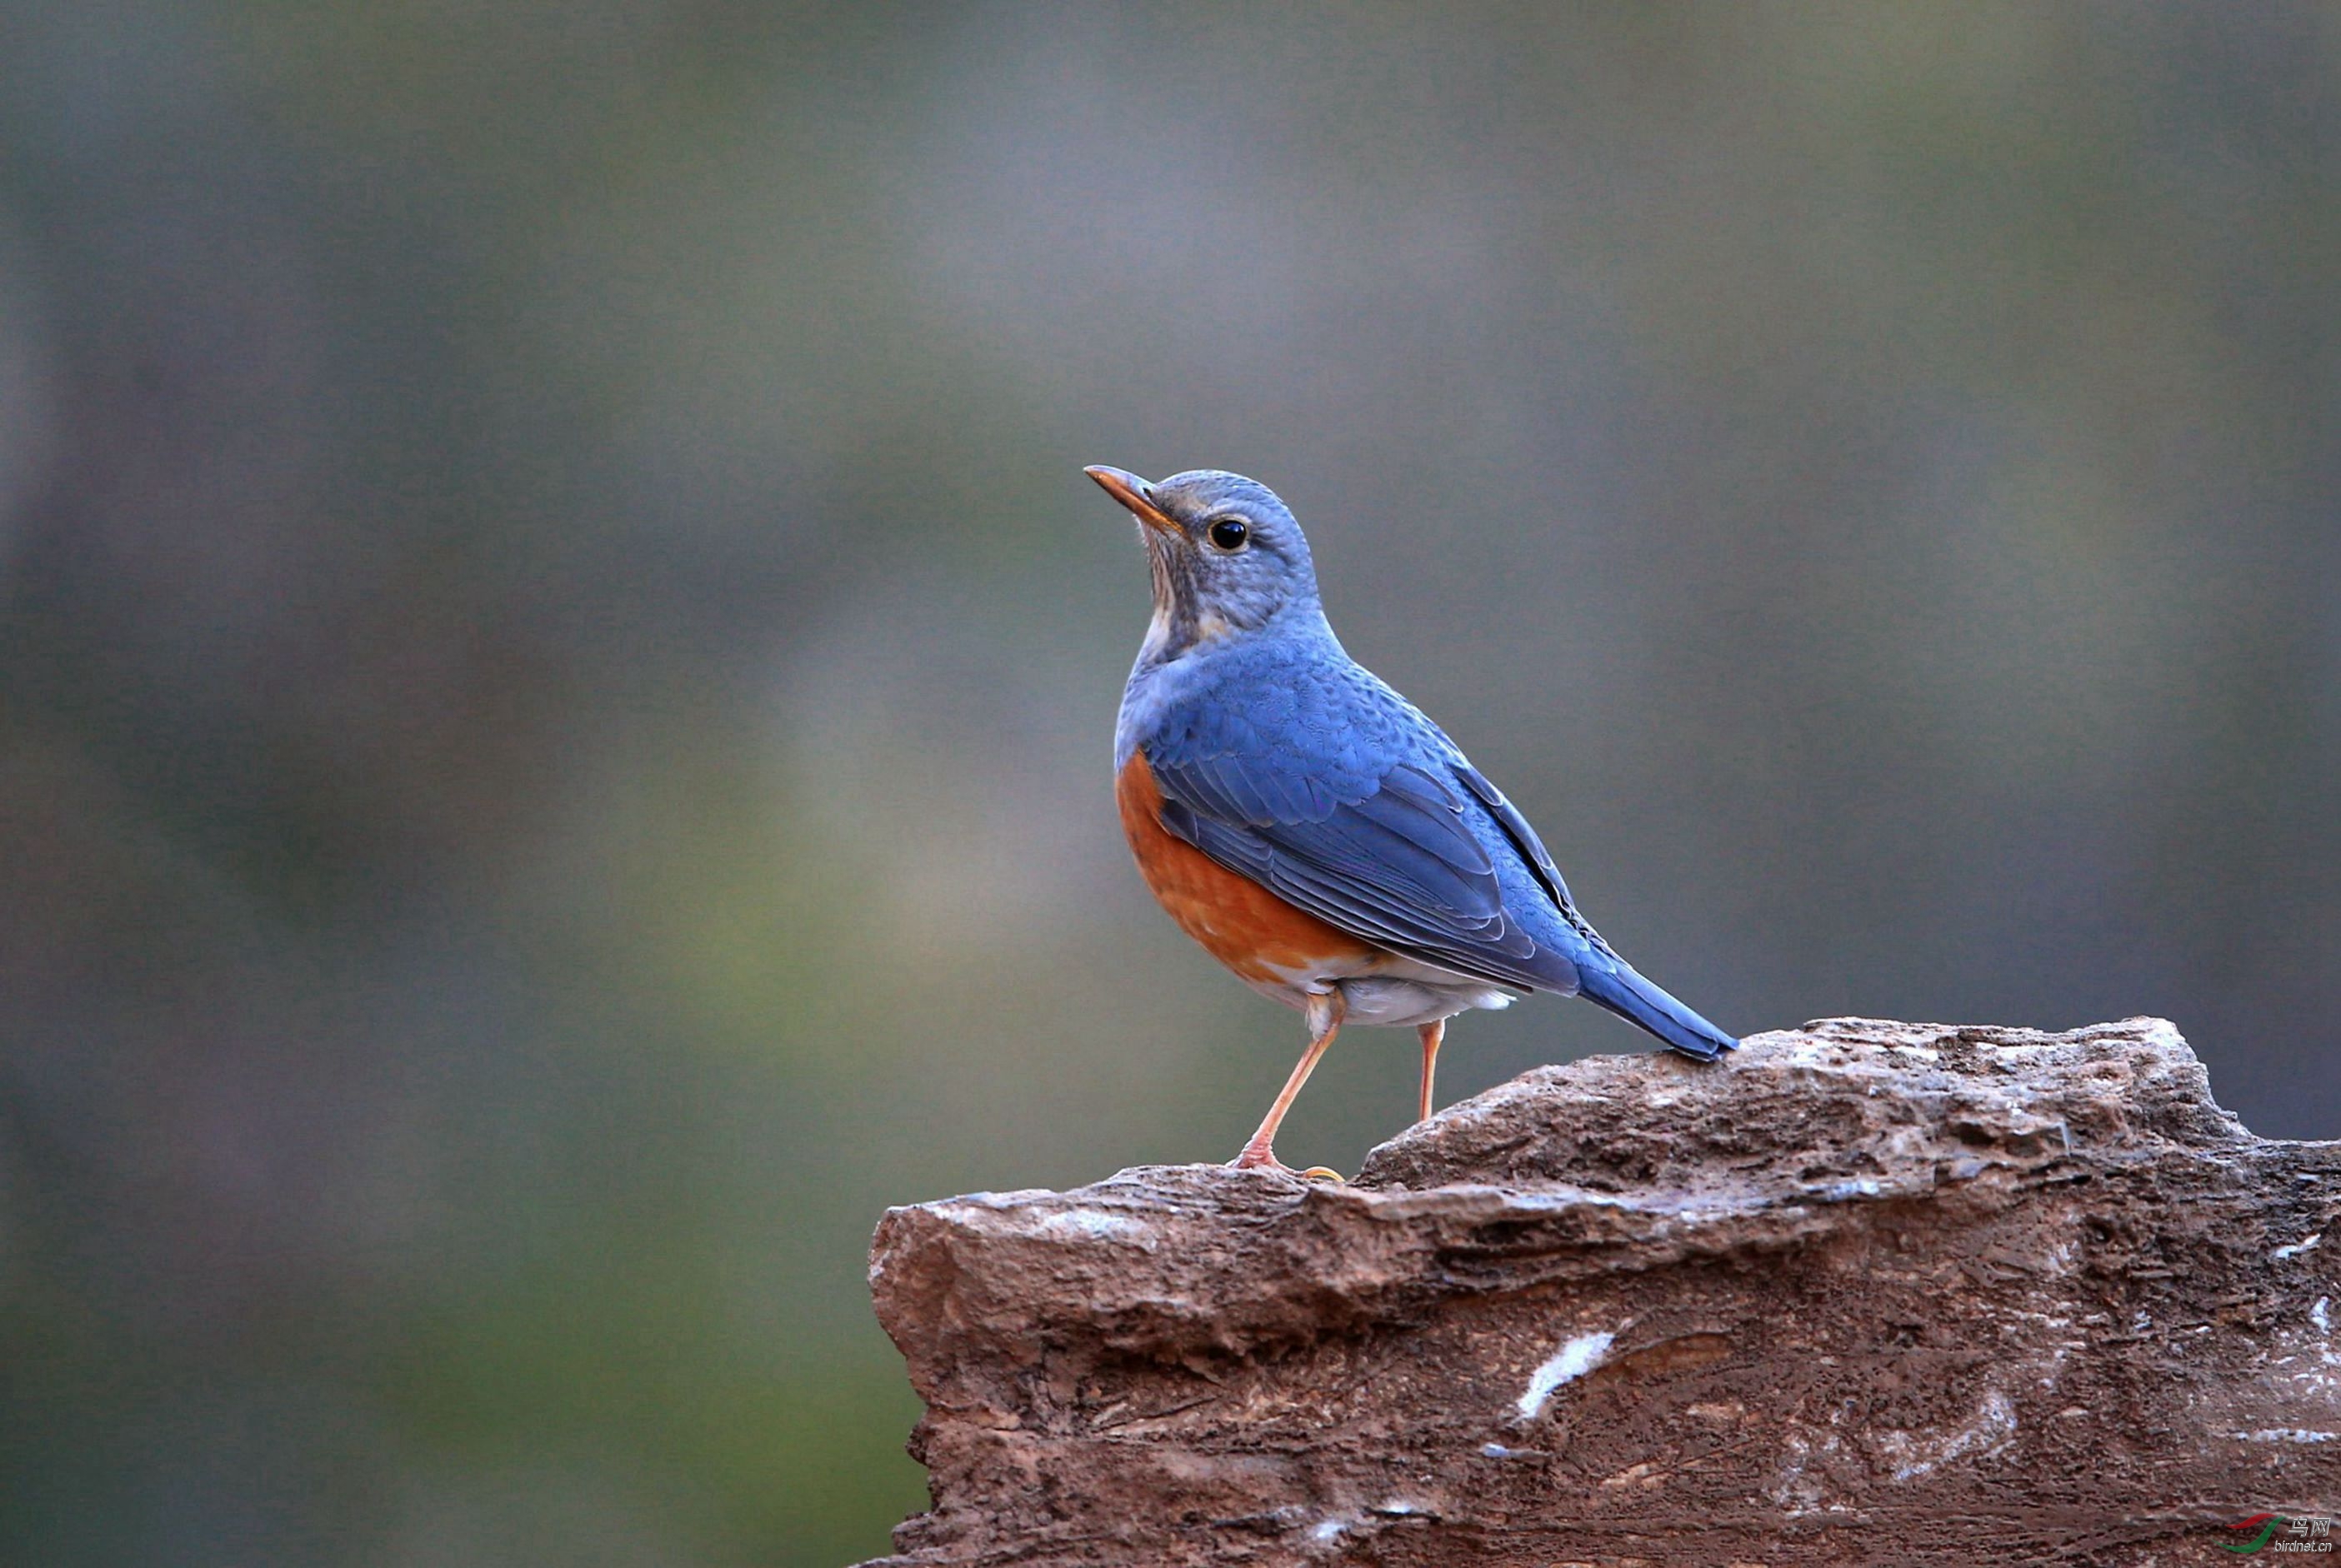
point(1993, 1427)
point(1571, 1362)
point(1101, 1224)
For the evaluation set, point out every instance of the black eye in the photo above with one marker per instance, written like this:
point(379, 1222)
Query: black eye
point(1230, 534)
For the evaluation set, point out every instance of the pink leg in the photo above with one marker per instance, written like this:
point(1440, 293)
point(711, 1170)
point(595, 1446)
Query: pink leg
point(1324, 1022)
point(1431, 1033)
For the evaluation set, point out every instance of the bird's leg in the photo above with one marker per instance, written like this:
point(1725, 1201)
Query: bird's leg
point(1324, 1016)
point(1432, 1033)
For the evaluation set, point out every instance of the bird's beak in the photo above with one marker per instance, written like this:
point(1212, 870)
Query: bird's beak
point(1132, 492)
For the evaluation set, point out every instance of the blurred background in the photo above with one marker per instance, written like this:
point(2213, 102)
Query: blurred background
point(557, 667)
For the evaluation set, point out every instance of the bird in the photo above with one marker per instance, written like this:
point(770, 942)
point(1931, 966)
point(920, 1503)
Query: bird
point(1315, 832)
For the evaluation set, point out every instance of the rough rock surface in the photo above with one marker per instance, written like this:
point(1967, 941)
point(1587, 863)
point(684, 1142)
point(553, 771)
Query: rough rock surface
point(1868, 1293)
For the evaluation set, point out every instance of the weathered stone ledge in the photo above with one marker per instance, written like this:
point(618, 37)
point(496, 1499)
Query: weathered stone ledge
point(1869, 1292)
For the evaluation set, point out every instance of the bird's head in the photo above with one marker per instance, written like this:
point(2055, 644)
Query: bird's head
point(1227, 557)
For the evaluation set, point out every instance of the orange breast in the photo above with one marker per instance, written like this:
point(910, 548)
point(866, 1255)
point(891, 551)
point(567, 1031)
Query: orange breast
point(1240, 923)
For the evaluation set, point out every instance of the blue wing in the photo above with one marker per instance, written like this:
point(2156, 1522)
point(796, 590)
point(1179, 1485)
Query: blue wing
point(1342, 799)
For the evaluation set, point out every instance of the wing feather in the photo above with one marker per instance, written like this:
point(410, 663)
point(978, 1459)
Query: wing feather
point(1386, 854)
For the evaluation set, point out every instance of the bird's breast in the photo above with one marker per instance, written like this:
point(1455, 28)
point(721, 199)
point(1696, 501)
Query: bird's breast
point(1269, 943)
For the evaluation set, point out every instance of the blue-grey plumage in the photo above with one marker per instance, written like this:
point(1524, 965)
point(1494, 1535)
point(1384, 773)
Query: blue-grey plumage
point(1282, 759)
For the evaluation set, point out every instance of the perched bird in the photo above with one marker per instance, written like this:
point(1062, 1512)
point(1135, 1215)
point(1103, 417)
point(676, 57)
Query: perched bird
point(1309, 826)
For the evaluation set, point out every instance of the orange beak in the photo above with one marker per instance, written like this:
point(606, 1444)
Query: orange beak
point(1131, 492)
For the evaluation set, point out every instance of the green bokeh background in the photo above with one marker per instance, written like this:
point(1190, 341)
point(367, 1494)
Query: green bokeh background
point(557, 665)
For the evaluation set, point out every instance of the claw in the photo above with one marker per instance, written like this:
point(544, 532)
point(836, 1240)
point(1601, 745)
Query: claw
point(1271, 1163)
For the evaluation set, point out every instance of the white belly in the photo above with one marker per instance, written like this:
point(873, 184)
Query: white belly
point(1393, 991)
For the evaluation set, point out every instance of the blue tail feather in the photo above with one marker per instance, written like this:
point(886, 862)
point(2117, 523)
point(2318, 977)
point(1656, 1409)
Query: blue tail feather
point(1641, 1003)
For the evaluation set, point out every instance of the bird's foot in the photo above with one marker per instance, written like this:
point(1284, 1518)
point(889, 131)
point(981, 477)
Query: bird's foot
point(1257, 1159)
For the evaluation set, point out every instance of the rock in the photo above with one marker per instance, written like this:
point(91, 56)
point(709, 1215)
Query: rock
point(1868, 1292)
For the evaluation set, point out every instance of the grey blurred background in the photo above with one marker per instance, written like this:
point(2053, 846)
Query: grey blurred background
point(556, 665)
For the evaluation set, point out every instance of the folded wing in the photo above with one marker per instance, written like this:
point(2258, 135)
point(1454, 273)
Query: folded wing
point(1387, 853)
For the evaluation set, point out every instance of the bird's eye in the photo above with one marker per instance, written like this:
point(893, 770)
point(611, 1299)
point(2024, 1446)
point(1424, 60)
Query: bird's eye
point(1230, 534)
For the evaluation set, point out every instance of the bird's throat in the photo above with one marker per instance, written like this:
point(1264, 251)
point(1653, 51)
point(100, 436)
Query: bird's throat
point(1176, 626)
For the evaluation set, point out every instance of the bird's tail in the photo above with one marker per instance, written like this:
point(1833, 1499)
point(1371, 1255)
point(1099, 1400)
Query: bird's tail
point(1642, 1004)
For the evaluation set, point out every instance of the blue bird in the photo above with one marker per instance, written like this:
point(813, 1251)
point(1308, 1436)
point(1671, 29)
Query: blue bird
point(1312, 828)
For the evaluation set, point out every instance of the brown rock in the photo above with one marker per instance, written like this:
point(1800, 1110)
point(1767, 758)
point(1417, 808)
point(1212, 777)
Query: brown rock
point(1867, 1292)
